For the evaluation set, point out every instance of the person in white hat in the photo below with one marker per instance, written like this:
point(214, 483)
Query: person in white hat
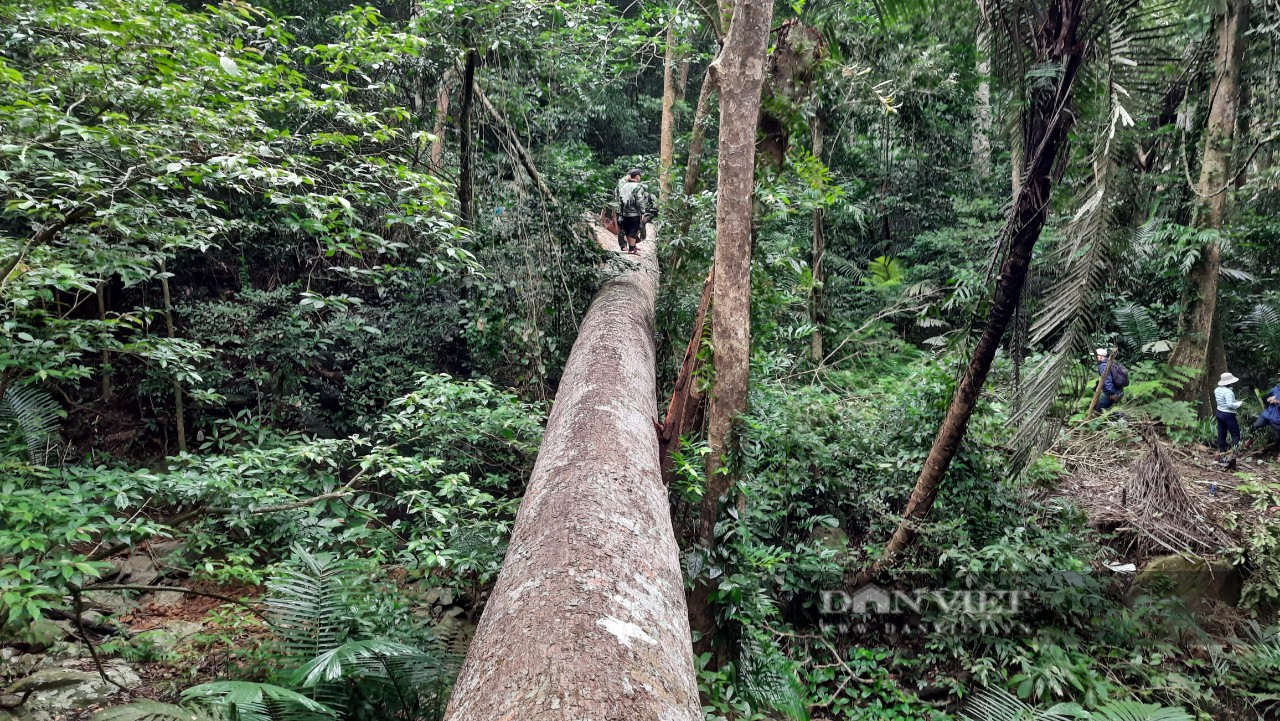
point(1226, 406)
point(1112, 385)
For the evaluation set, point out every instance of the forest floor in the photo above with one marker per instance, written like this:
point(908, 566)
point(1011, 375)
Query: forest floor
point(1101, 471)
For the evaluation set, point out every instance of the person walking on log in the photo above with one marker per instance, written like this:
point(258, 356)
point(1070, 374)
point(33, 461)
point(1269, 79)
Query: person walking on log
point(635, 208)
point(1225, 409)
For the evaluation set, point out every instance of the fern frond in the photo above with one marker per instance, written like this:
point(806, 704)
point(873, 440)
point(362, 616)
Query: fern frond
point(36, 416)
point(769, 680)
point(1138, 329)
point(842, 267)
point(1134, 711)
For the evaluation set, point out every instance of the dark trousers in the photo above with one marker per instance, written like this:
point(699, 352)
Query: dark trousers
point(1274, 427)
point(1105, 402)
point(630, 227)
point(1227, 422)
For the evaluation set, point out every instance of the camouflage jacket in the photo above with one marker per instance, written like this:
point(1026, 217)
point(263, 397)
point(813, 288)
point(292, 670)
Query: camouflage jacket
point(633, 200)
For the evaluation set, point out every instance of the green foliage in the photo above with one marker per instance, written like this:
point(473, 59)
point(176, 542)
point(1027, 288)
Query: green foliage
point(994, 704)
point(35, 416)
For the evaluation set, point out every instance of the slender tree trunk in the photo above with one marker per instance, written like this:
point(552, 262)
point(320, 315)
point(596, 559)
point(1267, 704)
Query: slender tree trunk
point(666, 140)
point(587, 620)
point(698, 134)
point(106, 354)
point(1200, 341)
point(441, 122)
point(739, 71)
point(1047, 121)
point(179, 411)
point(683, 85)
point(816, 314)
point(466, 192)
point(982, 99)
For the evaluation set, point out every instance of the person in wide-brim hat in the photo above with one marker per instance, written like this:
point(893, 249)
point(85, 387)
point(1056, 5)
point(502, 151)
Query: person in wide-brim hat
point(1225, 407)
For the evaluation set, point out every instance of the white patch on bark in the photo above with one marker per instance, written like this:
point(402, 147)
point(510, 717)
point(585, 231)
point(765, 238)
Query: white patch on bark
point(624, 631)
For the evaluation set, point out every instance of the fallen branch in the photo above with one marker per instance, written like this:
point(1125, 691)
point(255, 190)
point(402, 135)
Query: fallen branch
point(179, 589)
point(93, 652)
point(516, 146)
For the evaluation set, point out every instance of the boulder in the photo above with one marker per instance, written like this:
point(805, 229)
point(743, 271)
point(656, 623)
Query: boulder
point(138, 570)
point(1199, 582)
point(182, 630)
point(56, 692)
point(109, 601)
point(164, 599)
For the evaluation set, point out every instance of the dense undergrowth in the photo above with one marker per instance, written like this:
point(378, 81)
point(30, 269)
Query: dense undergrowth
point(258, 254)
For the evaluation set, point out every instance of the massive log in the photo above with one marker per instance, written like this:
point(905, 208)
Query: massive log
point(588, 618)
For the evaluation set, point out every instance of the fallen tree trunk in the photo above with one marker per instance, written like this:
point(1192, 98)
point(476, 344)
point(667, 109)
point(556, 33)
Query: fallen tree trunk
point(588, 618)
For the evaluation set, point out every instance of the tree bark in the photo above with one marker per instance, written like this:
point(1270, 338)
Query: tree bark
point(466, 191)
point(816, 314)
point(666, 139)
point(588, 619)
point(739, 71)
point(1199, 342)
point(1046, 123)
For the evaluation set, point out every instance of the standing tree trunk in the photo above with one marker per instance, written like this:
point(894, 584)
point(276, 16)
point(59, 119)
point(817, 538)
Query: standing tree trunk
point(106, 354)
point(1046, 122)
point(698, 134)
point(739, 71)
point(1200, 340)
point(666, 140)
point(466, 191)
point(442, 117)
point(178, 409)
point(982, 99)
point(588, 619)
point(816, 314)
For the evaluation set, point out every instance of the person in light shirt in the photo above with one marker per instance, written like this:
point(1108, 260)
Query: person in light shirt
point(1225, 409)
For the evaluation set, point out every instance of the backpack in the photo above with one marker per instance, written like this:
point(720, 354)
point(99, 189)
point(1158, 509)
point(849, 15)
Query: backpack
point(1119, 376)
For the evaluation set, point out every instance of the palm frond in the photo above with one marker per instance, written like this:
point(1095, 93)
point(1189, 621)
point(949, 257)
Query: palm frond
point(371, 658)
point(1069, 314)
point(248, 701)
point(996, 704)
point(35, 415)
point(148, 710)
point(1262, 325)
point(307, 600)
